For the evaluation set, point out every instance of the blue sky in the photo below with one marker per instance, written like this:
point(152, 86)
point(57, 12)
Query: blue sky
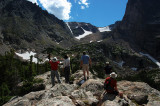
point(97, 12)
point(100, 12)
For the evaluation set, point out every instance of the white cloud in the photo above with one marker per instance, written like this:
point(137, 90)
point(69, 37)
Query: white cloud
point(84, 4)
point(60, 8)
point(82, 7)
point(33, 1)
point(79, 2)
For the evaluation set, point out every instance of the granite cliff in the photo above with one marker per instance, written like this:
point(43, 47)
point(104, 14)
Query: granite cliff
point(141, 26)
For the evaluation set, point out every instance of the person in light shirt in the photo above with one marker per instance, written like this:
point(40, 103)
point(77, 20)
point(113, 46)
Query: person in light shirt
point(66, 67)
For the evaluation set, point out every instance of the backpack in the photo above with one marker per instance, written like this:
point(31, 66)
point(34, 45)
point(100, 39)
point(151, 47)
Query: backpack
point(81, 82)
point(107, 85)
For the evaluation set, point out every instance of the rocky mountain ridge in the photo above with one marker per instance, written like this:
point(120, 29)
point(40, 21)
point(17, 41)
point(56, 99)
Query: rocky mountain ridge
point(24, 25)
point(89, 93)
point(86, 32)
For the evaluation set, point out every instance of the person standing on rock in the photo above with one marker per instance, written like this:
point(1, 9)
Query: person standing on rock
point(54, 70)
point(111, 85)
point(107, 69)
point(85, 61)
point(66, 68)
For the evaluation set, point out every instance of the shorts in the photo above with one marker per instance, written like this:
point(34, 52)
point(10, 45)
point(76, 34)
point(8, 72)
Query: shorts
point(85, 67)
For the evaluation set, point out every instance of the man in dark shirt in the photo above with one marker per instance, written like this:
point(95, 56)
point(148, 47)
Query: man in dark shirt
point(107, 69)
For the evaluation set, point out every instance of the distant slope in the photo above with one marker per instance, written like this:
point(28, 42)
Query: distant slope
point(86, 32)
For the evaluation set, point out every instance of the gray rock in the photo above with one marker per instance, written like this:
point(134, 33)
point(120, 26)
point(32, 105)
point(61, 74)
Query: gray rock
point(139, 98)
point(89, 93)
point(94, 86)
point(18, 102)
point(85, 97)
point(56, 101)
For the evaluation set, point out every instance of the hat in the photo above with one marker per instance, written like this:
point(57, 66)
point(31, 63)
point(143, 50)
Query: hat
point(107, 62)
point(113, 75)
point(54, 59)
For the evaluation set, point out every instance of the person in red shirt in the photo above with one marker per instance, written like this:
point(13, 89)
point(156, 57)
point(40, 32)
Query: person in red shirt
point(54, 70)
point(112, 87)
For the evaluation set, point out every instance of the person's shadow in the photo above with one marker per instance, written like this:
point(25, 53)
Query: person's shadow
point(106, 96)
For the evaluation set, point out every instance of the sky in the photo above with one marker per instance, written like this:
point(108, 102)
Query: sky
point(100, 13)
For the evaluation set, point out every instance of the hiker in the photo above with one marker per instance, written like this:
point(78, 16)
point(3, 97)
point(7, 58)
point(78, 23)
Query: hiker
point(85, 61)
point(111, 85)
point(66, 68)
point(54, 70)
point(107, 69)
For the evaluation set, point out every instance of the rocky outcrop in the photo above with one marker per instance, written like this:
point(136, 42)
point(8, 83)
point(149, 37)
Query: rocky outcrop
point(140, 26)
point(90, 93)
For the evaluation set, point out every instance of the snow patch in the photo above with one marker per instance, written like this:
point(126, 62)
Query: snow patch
point(83, 35)
point(100, 41)
point(150, 57)
point(119, 63)
point(91, 41)
point(69, 27)
point(103, 29)
point(27, 55)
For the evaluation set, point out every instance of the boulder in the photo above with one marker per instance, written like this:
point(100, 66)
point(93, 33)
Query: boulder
point(94, 86)
point(139, 98)
point(139, 92)
point(84, 97)
point(18, 102)
point(56, 101)
point(61, 89)
point(112, 100)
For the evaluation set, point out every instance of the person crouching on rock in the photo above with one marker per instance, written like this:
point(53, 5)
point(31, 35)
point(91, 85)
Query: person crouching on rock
point(54, 70)
point(110, 85)
point(66, 67)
